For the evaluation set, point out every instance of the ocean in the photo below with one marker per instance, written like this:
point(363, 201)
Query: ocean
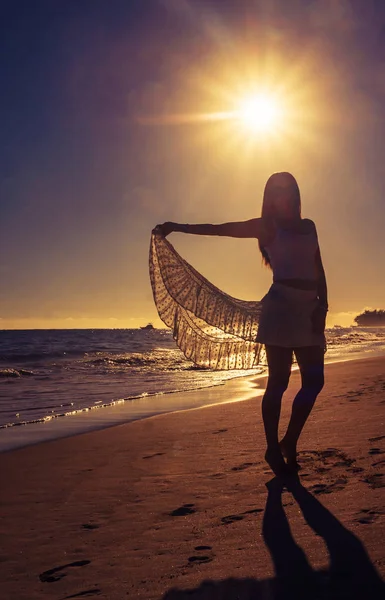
point(53, 376)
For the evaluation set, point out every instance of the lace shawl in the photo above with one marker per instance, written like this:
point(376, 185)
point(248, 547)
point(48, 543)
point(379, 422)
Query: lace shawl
point(212, 329)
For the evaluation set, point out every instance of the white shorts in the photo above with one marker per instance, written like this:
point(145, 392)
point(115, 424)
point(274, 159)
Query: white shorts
point(286, 318)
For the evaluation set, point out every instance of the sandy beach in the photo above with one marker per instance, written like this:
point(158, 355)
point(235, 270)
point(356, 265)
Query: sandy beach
point(176, 506)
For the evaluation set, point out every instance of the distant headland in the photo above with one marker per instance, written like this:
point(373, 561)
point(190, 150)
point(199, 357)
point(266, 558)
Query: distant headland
point(371, 318)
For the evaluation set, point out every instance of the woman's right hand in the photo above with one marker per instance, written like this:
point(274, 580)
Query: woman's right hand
point(164, 228)
point(319, 319)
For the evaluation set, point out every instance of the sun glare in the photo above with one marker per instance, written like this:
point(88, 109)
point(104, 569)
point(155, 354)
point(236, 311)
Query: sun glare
point(259, 113)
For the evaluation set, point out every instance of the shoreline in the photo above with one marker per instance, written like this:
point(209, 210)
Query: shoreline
point(169, 503)
point(128, 411)
point(125, 413)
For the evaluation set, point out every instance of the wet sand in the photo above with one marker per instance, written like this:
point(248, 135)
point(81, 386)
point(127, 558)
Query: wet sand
point(178, 502)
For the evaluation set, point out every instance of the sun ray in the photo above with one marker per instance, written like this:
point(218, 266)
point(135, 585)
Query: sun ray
point(255, 103)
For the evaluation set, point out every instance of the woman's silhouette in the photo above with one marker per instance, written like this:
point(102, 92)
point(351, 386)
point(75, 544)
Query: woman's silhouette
point(293, 311)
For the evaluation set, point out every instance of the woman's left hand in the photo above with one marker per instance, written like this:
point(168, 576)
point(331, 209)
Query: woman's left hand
point(164, 228)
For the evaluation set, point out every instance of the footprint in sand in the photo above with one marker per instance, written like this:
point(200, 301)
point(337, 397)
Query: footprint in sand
point(375, 481)
point(355, 469)
point(253, 511)
point(354, 396)
point(344, 463)
point(378, 463)
point(243, 466)
point(201, 558)
point(217, 476)
point(233, 518)
point(220, 431)
point(325, 460)
point(319, 488)
point(182, 511)
point(152, 455)
point(56, 574)
point(90, 526)
point(322, 488)
point(367, 516)
point(376, 451)
point(84, 594)
point(377, 439)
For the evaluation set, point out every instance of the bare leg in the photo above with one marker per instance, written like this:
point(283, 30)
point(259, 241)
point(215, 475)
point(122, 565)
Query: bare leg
point(279, 362)
point(311, 365)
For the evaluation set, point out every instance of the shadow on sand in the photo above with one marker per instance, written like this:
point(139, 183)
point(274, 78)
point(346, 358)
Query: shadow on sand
point(351, 575)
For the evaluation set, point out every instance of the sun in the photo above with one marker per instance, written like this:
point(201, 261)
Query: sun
point(259, 113)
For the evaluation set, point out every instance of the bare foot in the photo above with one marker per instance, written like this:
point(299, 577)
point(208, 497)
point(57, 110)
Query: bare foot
point(289, 451)
point(274, 459)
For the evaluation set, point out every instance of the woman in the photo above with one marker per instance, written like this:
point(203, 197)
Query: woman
point(293, 311)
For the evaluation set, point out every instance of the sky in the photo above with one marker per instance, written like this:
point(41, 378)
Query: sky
point(99, 143)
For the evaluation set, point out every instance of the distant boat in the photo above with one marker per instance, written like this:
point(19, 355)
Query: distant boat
point(148, 326)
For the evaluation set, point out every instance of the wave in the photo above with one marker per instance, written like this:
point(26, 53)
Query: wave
point(340, 336)
point(38, 356)
point(15, 372)
point(158, 359)
point(99, 405)
point(138, 360)
point(33, 408)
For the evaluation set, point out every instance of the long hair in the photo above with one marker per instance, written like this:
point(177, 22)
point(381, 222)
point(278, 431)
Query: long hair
point(276, 182)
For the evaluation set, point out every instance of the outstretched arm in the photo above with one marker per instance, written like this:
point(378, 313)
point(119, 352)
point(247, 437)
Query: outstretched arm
point(253, 228)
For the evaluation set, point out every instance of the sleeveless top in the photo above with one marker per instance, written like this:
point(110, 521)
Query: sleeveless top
point(292, 254)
